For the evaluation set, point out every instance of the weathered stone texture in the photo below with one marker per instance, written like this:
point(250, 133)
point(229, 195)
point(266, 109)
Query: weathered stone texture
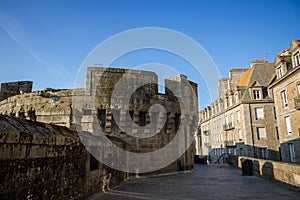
point(48, 106)
point(123, 98)
point(42, 161)
point(285, 173)
point(84, 109)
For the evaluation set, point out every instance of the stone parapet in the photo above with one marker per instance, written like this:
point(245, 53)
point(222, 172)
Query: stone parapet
point(287, 174)
point(43, 161)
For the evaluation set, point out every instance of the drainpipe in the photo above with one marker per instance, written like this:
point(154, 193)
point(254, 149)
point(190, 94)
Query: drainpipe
point(251, 130)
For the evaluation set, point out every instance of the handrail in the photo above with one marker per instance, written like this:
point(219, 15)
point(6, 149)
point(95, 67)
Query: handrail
point(228, 126)
point(221, 156)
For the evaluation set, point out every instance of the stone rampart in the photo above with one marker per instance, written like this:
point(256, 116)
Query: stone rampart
point(287, 174)
point(43, 161)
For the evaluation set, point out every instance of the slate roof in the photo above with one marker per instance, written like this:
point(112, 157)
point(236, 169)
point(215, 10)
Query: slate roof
point(260, 74)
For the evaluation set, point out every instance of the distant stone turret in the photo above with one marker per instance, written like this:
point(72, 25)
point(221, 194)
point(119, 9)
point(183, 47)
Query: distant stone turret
point(14, 88)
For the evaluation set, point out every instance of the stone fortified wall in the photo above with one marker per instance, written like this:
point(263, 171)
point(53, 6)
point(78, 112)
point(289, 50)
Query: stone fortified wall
point(106, 94)
point(43, 161)
point(48, 106)
point(57, 107)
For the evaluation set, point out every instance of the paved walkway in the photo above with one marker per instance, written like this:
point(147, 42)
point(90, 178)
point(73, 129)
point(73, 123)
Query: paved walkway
point(206, 182)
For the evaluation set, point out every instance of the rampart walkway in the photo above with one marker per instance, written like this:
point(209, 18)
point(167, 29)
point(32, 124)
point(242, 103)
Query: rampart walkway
point(206, 182)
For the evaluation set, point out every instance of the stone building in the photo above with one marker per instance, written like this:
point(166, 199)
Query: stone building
point(242, 118)
point(285, 86)
point(204, 129)
point(121, 99)
point(14, 88)
point(120, 103)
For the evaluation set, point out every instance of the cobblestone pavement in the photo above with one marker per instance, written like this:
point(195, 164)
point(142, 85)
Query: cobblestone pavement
point(206, 182)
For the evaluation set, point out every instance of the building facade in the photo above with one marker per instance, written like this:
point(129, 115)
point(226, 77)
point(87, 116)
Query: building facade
point(285, 86)
point(242, 119)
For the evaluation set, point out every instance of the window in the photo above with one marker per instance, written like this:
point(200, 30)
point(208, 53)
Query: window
point(232, 119)
point(263, 153)
point(226, 120)
point(131, 112)
point(94, 163)
point(259, 113)
point(274, 110)
point(297, 59)
point(277, 132)
point(284, 99)
point(129, 121)
point(115, 121)
point(167, 122)
point(230, 100)
point(240, 134)
point(238, 114)
point(261, 133)
point(177, 122)
point(154, 122)
point(298, 87)
point(256, 94)
point(142, 118)
point(292, 152)
point(102, 118)
point(280, 72)
point(237, 98)
point(288, 125)
point(289, 66)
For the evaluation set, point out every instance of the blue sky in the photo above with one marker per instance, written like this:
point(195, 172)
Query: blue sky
point(47, 41)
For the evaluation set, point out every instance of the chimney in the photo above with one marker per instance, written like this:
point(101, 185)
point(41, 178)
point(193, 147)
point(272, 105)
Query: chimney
point(258, 62)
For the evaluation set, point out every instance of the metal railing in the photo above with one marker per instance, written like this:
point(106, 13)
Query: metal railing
point(223, 158)
point(228, 126)
point(207, 144)
point(229, 143)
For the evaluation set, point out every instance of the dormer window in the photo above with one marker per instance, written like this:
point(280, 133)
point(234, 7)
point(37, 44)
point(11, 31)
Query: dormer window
point(289, 66)
point(297, 59)
point(256, 94)
point(279, 72)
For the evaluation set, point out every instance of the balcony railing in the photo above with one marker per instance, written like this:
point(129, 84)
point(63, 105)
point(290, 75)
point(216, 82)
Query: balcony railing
point(206, 132)
point(207, 144)
point(228, 126)
point(229, 143)
point(297, 102)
